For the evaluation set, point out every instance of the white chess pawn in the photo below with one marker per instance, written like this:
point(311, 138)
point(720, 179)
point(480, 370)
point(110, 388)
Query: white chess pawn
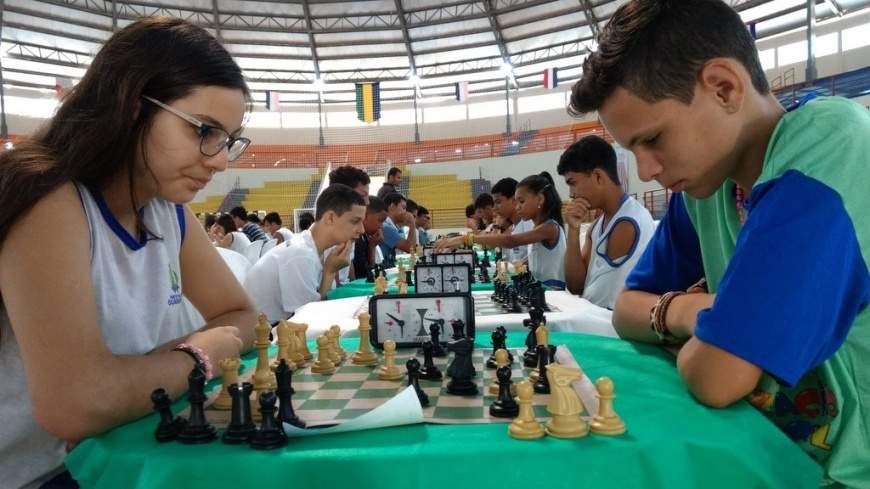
point(389, 371)
point(323, 364)
point(284, 345)
point(525, 426)
point(501, 359)
point(606, 421)
point(230, 374)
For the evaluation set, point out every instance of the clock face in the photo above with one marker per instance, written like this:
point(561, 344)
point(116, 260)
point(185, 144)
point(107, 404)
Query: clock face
point(406, 319)
point(456, 278)
point(429, 279)
point(445, 258)
point(467, 258)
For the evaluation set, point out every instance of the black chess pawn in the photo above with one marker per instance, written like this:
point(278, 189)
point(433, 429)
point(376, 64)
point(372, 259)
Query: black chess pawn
point(413, 368)
point(409, 278)
point(461, 371)
point(497, 339)
point(503, 344)
point(429, 370)
point(484, 275)
point(486, 263)
point(505, 406)
point(241, 425)
point(169, 426)
point(530, 356)
point(270, 435)
point(435, 334)
point(370, 276)
point(198, 429)
point(458, 329)
point(285, 391)
point(542, 385)
point(515, 302)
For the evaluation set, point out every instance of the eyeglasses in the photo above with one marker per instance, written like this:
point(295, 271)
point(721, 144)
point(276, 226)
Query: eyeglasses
point(212, 139)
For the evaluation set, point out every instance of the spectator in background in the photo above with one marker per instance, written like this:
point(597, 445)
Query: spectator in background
point(365, 247)
point(503, 194)
point(354, 178)
point(471, 220)
point(306, 219)
point(209, 221)
point(272, 226)
point(226, 235)
point(424, 222)
point(394, 178)
point(393, 239)
point(252, 231)
point(254, 218)
point(483, 206)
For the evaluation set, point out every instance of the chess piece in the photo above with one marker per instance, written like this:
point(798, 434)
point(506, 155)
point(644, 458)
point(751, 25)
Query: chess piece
point(241, 423)
point(458, 329)
point(484, 275)
point(169, 426)
point(515, 302)
point(389, 371)
point(400, 275)
point(296, 349)
point(435, 334)
point(264, 379)
point(198, 429)
point(323, 364)
point(429, 370)
point(270, 435)
point(504, 406)
point(413, 368)
point(370, 276)
point(364, 356)
point(501, 360)
point(542, 384)
point(497, 337)
point(564, 404)
point(284, 344)
point(380, 284)
point(409, 277)
point(606, 421)
point(525, 426)
point(285, 391)
point(503, 343)
point(461, 370)
point(230, 375)
point(403, 288)
point(301, 330)
point(335, 330)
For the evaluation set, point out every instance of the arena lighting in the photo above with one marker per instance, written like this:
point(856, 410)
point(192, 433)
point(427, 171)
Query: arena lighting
point(458, 150)
point(515, 143)
point(417, 160)
point(9, 145)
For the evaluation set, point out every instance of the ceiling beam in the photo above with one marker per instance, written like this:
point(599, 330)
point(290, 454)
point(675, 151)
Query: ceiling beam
point(589, 12)
point(314, 58)
point(496, 31)
point(411, 62)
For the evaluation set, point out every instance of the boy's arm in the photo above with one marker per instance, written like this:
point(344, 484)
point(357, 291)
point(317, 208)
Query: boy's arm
point(576, 259)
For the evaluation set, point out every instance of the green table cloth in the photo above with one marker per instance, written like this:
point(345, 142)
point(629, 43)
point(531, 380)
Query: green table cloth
point(672, 442)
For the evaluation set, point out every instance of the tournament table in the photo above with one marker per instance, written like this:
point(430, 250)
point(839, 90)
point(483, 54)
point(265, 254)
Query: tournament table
point(672, 442)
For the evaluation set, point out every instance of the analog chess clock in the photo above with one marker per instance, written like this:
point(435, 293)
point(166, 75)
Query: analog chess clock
point(461, 256)
point(406, 319)
point(443, 278)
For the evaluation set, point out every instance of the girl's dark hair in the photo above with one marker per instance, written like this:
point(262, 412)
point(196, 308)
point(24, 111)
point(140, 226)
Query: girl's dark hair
point(543, 183)
point(226, 221)
point(98, 128)
point(210, 219)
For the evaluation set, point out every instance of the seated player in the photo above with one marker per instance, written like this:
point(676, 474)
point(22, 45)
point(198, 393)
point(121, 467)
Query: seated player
point(483, 208)
point(785, 322)
point(424, 222)
point(393, 239)
point(471, 221)
point(539, 202)
point(272, 226)
point(391, 184)
point(306, 219)
point(208, 221)
point(616, 239)
point(505, 205)
point(359, 181)
point(92, 324)
point(251, 230)
point(303, 269)
point(365, 247)
point(226, 235)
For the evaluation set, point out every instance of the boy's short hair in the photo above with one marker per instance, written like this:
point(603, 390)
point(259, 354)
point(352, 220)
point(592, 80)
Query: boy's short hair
point(306, 219)
point(393, 198)
point(469, 210)
point(272, 218)
point(254, 218)
point(376, 204)
point(349, 175)
point(506, 187)
point(210, 219)
point(393, 171)
point(587, 154)
point(655, 49)
point(338, 198)
point(483, 201)
point(240, 212)
point(411, 206)
point(422, 211)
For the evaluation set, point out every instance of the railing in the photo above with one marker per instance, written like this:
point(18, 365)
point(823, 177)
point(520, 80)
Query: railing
point(656, 202)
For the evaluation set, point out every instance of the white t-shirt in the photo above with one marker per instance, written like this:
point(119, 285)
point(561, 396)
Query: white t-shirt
point(605, 278)
point(285, 233)
point(547, 263)
point(286, 278)
point(520, 252)
point(137, 290)
point(240, 242)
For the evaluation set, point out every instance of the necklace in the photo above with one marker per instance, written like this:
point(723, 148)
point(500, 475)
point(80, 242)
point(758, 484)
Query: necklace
point(741, 202)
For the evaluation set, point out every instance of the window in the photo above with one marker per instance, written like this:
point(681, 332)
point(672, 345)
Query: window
point(856, 37)
point(549, 101)
point(792, 53)
point(495, 108)
point(767, 58)
point(827, 45)
point(444, 114)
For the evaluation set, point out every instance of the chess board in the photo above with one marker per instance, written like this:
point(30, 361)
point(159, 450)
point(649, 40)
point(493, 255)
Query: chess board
point(485, 306)
point(324, 400)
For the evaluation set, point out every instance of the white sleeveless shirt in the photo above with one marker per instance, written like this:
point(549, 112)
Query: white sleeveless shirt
point(240, 242)
point(547, 263)
point(137, 286)
point(605, 278)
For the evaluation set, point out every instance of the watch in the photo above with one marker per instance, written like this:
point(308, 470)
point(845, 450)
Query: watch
point(443, 278)
point(406, 319)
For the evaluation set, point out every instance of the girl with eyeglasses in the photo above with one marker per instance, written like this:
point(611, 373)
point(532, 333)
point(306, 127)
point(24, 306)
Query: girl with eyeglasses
point(91, 324)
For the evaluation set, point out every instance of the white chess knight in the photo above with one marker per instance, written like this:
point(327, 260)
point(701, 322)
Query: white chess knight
point(564, 404)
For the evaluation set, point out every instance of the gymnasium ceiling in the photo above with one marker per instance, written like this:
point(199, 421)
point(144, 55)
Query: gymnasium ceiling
point(289, 45)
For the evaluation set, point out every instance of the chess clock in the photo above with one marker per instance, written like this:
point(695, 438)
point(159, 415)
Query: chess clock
point(442, 278)
point(405, 318)
point(460, 256)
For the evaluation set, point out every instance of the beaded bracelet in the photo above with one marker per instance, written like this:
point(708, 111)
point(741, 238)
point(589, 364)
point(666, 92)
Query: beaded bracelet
point(658, 313)
point(199, 356)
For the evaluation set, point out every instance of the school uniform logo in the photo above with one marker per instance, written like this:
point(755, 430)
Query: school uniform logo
point(175, 283)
